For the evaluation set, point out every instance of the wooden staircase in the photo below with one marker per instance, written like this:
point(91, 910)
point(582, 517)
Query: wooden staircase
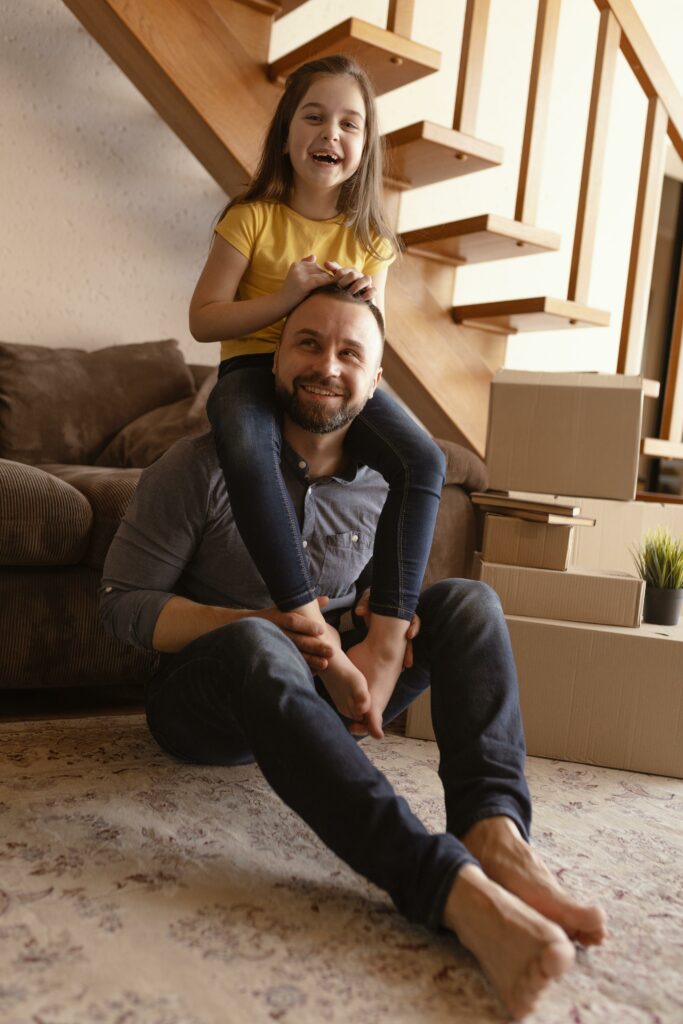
point(203, 65)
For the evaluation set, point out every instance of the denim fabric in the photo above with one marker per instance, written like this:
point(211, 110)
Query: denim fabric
point(387, 439)
point(244, 692)
point(249, 442)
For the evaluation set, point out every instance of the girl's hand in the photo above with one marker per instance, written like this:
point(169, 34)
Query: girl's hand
point(353, 280)
point(302, 277)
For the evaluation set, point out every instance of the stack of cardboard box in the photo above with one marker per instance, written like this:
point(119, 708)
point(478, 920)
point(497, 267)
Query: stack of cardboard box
point(596, 685)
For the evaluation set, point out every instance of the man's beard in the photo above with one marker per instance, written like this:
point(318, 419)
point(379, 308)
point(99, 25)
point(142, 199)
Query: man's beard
point(311, 415)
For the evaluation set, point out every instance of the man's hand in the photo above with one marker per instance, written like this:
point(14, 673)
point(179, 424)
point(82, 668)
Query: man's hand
point(307, 634)
point(352, 280)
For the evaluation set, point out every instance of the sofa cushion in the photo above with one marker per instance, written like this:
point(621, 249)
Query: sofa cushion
point(143, 441)
point(64, 405)
point(43, 521)
point(108, 492)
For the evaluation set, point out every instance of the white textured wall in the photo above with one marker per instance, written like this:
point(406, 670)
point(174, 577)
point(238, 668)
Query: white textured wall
point(106, 217)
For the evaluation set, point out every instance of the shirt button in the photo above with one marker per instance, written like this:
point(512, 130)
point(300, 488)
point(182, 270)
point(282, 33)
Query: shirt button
point(354, 538)
point(302, 464)
point(304, 544)
point(108, 590)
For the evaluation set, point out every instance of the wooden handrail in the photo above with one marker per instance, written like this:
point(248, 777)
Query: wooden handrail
point(648, 66)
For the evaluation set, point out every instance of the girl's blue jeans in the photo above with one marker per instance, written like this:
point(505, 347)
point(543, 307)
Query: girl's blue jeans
point(248, 438)
point(244, 692)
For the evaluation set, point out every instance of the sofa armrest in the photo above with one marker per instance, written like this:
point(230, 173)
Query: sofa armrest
point(43, 521)
point(463, 467)
point(454, 537)
point(108, 492)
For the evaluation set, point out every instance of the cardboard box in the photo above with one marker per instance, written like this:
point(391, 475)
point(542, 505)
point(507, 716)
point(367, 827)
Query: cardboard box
point(618, 526)
point(565, 433)
point(600, 695)
point(512, 541)
point(577, 595)
point(595, 694)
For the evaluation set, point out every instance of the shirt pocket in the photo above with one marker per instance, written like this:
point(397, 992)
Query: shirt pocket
point(345, 557)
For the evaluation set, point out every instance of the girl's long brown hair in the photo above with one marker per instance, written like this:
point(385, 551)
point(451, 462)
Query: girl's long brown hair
point(360, 198)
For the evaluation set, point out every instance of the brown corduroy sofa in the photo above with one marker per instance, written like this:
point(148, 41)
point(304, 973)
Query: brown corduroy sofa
point(75, 430)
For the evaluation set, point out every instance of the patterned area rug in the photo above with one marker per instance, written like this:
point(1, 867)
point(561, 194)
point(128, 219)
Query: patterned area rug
point(137, 890)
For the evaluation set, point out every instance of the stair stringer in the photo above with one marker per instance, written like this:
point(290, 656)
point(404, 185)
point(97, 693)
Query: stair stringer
point(441, 371)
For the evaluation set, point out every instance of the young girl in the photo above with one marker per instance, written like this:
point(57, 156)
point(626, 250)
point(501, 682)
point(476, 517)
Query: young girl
point(312, 215)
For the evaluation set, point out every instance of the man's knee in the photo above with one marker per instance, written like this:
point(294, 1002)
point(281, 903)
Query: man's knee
point(462, 598)
point(253, 638)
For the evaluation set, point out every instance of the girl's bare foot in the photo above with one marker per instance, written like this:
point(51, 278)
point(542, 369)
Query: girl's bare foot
point(346, 685)
point(508, 860)
point(381, 667)
point(519, 950)
point(381, 658)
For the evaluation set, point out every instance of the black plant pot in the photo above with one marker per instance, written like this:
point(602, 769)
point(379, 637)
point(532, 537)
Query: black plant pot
point(662, 607)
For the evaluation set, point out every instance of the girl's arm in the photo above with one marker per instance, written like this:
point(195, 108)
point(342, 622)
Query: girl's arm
point(214, 312)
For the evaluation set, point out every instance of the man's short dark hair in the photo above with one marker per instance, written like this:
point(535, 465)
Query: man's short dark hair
point(343, 295)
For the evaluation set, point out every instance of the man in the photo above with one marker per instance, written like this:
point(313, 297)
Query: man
point(237, 683)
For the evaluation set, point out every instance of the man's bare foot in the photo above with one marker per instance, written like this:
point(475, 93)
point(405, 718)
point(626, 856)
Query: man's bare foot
point(519, 950)
point(508, 860)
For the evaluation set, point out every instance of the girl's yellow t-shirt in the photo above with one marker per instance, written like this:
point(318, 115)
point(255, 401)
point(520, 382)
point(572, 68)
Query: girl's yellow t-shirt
point(272, 236)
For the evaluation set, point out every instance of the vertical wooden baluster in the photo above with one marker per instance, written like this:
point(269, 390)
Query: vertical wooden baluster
point(471, 66)
point(644, 240)
point(606, 54)
point(672, 412)
point(400, 17)
point(531, 161)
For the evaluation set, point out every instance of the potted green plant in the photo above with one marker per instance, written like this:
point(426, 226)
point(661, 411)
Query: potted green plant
point(659, 561)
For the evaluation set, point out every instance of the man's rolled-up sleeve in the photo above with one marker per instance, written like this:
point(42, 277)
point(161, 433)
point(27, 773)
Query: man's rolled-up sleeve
point(153, 544)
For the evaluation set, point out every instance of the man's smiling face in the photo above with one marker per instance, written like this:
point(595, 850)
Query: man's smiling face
point(327, 362)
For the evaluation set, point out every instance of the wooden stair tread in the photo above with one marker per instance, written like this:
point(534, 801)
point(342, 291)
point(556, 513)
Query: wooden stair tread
point(391, 60)
point(273, 7)
point(537, 314)
point(478, 239)
point(661, 448)
point(660, 497)
point(278, 8)
point(424, 153)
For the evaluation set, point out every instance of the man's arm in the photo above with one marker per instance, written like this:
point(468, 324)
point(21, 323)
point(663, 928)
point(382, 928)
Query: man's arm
point(153, 544)
point(181, 621)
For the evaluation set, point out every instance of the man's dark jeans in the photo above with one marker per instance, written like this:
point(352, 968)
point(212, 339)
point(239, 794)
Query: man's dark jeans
point(244, 692)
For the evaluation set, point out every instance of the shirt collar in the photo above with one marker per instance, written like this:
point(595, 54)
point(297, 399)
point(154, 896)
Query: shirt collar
point(299, 467)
